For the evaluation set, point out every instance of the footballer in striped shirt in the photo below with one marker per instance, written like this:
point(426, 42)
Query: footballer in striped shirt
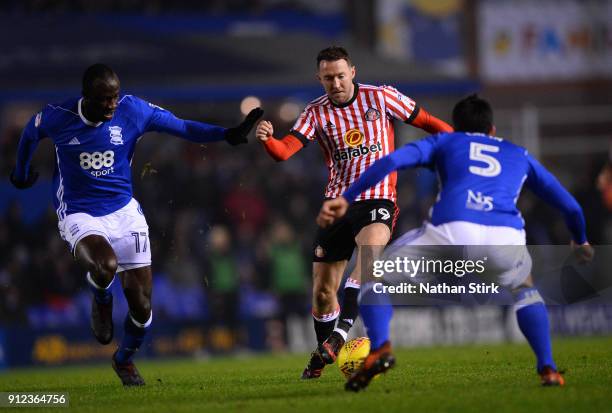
point(353, 125)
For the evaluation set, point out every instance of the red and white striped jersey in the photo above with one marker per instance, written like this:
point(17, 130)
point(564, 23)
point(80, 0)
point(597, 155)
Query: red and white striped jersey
point(355, 134)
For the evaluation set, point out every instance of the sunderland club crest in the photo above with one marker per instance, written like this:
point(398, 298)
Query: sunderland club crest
point(372, 115)
point(115, 135)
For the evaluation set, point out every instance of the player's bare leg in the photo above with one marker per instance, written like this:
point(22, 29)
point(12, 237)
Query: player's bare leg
point(325, 309)
point(137, 287)
point(532, 319)
point(96, 255)
point(370, 241)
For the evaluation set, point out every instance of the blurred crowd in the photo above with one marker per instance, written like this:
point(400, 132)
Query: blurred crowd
point(161, 6)
point(229, 227)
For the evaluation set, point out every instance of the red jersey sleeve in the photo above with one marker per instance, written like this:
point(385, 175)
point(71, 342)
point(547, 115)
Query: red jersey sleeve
point(283, 149)
point(429, 123)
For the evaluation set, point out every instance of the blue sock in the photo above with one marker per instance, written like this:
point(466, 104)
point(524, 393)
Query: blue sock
point(532, 319)
point(103, 295)
point(376, 312)
point(133, 337)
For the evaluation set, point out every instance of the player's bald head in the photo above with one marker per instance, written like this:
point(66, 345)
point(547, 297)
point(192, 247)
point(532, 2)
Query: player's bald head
point(98, 75)
point(100, 92)
point(473, 114)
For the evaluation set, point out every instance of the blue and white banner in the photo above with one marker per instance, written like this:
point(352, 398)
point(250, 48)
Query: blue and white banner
point(529, 41)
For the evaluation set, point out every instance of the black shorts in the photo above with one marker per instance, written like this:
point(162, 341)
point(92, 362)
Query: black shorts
point(337, 242)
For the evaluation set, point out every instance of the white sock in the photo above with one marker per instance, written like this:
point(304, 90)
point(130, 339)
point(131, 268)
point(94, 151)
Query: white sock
point(340, 331)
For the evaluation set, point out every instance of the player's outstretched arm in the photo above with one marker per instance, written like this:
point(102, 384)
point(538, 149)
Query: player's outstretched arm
point(161, 120)
point(414, 154)
point(23, 176)
point(411, 155)
point(546, 186)
point(278, 149)
point(429, 123)
point(332, 210)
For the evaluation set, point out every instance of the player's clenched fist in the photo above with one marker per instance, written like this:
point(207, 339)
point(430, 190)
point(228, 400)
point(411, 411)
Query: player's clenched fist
point(332, 210)
point(264, 130)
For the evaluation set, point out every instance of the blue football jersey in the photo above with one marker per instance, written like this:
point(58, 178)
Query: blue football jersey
point(481, 178)
point(92, 171)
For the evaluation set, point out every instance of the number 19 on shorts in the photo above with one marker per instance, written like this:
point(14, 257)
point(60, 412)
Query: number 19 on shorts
point(380, 214)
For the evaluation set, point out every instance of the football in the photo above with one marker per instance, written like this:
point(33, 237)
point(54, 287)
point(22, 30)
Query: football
point(352, 354)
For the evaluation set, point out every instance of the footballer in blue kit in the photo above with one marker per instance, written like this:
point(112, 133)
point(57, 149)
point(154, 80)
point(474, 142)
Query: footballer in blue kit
point(481, 177)
point(94, 138)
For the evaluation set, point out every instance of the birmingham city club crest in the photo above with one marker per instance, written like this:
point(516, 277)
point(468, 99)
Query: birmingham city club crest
point(115, 135)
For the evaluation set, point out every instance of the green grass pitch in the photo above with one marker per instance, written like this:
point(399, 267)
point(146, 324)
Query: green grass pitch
point(483, 378)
